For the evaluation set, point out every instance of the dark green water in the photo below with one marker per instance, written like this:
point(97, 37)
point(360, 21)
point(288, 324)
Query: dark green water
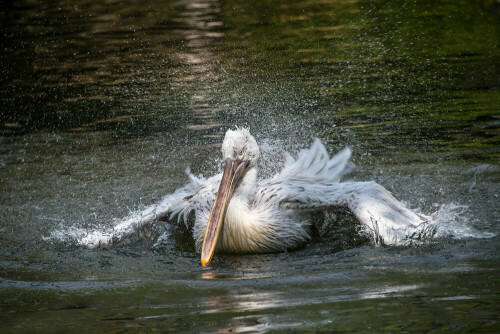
point(104, 104)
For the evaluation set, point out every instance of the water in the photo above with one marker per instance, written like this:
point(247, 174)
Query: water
point(104, 105)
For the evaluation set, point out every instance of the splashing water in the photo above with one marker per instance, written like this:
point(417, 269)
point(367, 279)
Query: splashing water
point(452, 220)
point(448, 221)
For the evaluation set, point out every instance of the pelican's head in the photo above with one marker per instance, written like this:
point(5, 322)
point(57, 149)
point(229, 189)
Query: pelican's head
point(240, 152)
point(239, 144)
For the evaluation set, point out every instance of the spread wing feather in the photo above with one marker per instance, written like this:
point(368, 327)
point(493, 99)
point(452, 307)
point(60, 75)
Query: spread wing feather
point(312, 182)
point(198, 194)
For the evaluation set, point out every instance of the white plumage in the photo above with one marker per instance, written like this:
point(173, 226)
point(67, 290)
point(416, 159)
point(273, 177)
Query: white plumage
point(276, 214)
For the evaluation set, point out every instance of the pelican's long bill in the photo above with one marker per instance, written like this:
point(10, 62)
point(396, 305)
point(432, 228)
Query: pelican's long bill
point(233, 171)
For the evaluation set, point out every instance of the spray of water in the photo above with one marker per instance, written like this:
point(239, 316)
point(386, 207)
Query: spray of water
point(452, 220)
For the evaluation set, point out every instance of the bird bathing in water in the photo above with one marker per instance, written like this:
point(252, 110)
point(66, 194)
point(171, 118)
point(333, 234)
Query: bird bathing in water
point(235, 213)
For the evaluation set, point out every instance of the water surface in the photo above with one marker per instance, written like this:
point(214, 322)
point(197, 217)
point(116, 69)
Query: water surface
point(104, 105)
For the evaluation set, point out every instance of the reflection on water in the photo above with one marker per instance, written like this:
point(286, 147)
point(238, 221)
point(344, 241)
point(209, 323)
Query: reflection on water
point(104, 104)
point(310, 67)
point(243, 302)
point(240, 275)
point(93, 66)
point(201, 31)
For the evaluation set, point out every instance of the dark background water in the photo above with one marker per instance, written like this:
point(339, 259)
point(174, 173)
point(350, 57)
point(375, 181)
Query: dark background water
point(104, 104)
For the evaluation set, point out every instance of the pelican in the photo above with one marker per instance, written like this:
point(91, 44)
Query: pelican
point(235, 213)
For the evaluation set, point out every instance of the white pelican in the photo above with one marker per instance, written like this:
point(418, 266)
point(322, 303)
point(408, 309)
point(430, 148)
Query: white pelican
point(234, 213)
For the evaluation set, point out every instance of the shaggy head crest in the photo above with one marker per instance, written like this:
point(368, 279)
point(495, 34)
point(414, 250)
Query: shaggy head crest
point(240, 144)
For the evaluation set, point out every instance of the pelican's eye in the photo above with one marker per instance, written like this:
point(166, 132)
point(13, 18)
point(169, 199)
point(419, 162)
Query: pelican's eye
point(241, 153)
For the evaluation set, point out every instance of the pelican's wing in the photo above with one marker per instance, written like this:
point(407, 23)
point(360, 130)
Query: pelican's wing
point(199, 193)
point(386, 219)
point(311, 183)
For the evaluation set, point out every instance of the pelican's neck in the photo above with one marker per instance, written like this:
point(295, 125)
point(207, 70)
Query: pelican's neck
point(246, 187)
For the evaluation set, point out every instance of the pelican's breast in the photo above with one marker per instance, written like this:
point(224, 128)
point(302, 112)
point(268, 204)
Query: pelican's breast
point(257, 230)
point(246, 230)
point(254, 230)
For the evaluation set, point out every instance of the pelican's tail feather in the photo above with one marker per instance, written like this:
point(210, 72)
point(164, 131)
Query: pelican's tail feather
point(314, 164)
